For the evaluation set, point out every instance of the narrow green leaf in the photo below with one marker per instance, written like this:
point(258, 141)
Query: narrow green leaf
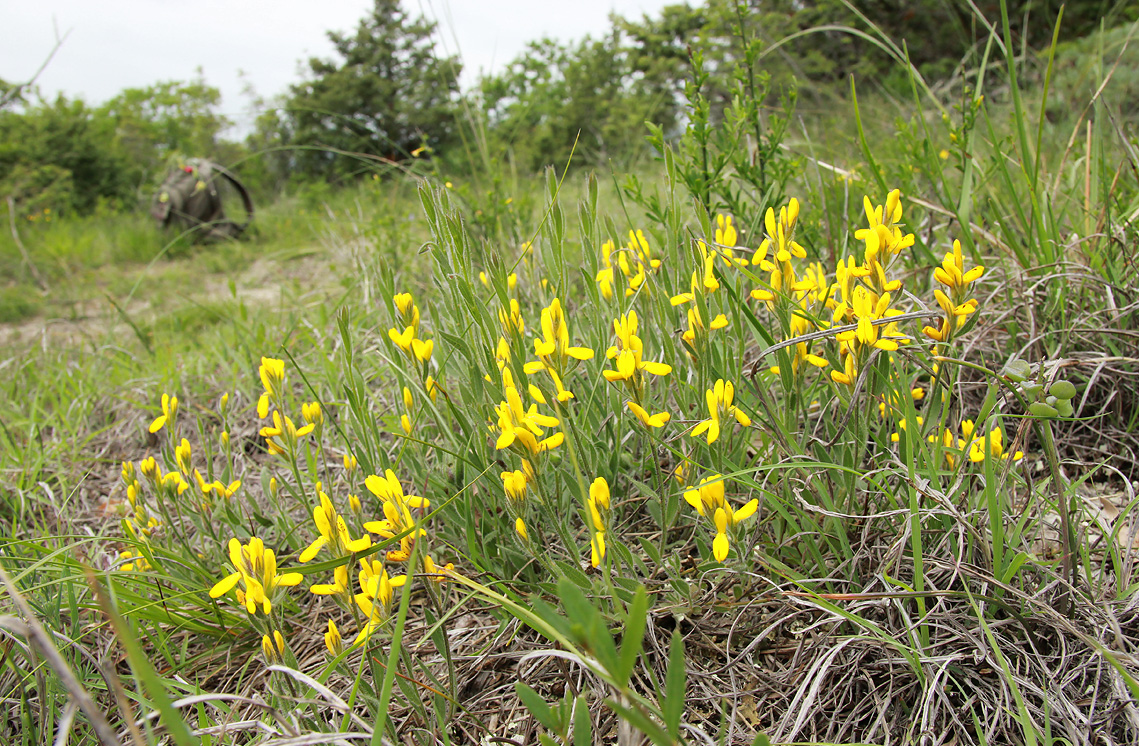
point(633, 637)
point(674, 685)
point(538, 707)
point(582, 728)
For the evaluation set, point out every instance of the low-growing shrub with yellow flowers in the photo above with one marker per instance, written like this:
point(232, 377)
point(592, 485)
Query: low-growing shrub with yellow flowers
point(751, 386)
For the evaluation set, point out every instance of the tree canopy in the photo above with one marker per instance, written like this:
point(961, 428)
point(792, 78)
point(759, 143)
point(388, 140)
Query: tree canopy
point(388, 95)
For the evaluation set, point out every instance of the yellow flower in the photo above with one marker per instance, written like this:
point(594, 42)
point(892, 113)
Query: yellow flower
point(719, 400)
point(273, 648)
point(256, 568)
point(338, 586)
point(553, 348)
point(521, 428)
point(682, 472)
point(849, 374)
point(725, 520)
point(640, 247)
point(440, 573)
point(709, 501)
point(635, 262)
point(409, 410)
point(629, 367)
point(952, 272)
point(660, 419)
point(169, 409)
point(780, 246)
point(598, 506)
point(182, 456)
point(596, 547)
point(511, 319)
point(138, 563)
point(332, 639)
point(697, 330)
point(992, 446)
point(422, 349)
point(598, 503)
point(226, 491)
point(312, 414)
point(703, 281)
point(332, 530)
point(727, 238)
point(884, 238)
point(389, 489)
point(397, 509)
point(149, 468)
point(520, 529)
point(511, 280)
point(407, 310)
point(956, 305)
point(514, 485)
point(350, 463)
point(402, 339)
point(800, 325)
point(282, 437)
point(604, 277)
point(272, 373)
point(376, 593)
point(947, 443)
point(868, 308)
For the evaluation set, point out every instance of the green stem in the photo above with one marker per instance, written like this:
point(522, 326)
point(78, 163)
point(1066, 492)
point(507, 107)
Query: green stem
point(1067, 536)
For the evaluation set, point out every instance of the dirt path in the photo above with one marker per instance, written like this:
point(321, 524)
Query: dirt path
point(262, 283)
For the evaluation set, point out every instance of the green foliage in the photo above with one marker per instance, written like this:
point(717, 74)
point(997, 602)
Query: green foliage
point(165, 118)
point(71, 158)
point(590, 97)
point(61, 154)
point(388, 95)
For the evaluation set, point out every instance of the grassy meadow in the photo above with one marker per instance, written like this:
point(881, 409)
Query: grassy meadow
point(815, 429)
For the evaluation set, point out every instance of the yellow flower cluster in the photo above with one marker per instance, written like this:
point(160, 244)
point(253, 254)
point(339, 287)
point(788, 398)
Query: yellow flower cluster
point(957, 305)
point(256, 568)
point(710, 502)
point(975, 447)
point(635, 261)
point(774, 253)
point(554, 350)
point(408, 339)
point(720, 407)
point(398, 519)
point(630, 368)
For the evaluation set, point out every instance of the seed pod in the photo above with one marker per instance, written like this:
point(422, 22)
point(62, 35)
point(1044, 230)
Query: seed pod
point(1040, 409)
point(1017, 370)
point(1050, 401)
point(1064, 408)
point(1062, 390)
point(1032, 390)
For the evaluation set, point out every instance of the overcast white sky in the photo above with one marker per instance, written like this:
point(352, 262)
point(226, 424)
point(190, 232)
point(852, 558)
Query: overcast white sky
point(116, 44)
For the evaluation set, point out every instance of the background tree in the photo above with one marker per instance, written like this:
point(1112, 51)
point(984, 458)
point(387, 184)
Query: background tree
point(168, 117)
point(61, 154)
point(388, 95)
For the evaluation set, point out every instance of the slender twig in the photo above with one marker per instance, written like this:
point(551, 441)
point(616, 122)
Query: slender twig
point(20, 245)
point(12, 93)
